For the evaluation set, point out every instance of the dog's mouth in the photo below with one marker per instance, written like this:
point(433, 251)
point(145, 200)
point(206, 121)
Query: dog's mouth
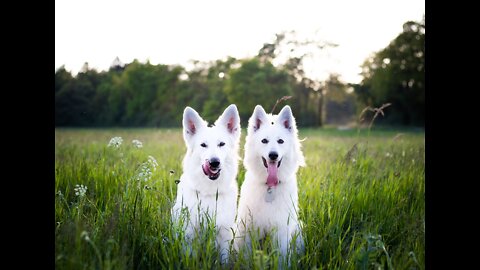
point(211, 172)
point(272, 162)
point(272, 171)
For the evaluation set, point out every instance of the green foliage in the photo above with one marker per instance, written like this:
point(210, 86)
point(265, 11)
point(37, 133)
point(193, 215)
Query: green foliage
point(361, 207)
point(62, 77)
point(75, 98)
point(340, 107)
point(307, 95)
point(216, 80)
point(396, 75)
point(256, 83)
point(151, 91)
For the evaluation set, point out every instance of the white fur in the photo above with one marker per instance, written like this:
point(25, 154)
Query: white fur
point(280, 215)
point(196, 192)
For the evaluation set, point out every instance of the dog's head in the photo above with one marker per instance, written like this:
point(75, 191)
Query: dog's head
point(273, 145)
point(209, 148)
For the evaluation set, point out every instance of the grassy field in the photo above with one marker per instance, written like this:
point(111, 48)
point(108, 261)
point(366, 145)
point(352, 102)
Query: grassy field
point(362, 202)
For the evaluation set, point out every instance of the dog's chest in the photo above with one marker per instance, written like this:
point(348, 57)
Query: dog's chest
point(272, 199)
point(270, 194)
point(220, 207)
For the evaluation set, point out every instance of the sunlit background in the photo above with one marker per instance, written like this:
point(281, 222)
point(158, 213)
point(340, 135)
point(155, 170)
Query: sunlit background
point(143, 62)
point(175, 32)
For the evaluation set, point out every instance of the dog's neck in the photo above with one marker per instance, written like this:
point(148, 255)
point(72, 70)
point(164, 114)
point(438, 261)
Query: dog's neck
point(275, 186)
point(205, 194)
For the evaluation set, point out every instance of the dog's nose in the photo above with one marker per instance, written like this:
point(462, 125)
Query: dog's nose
point(214, 162)
point(273, 155)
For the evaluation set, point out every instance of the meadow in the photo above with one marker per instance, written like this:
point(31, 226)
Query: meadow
point(361, 197)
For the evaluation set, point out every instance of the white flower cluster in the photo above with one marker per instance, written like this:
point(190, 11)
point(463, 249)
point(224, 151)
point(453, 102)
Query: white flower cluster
point(147, 168)
point(80, 190)
point(137, 143)
point(145, 172)
point(153, 162)
point(115, 142)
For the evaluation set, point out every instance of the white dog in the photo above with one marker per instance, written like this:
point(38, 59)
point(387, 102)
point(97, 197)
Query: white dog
point(208, 185)
point(268, 197)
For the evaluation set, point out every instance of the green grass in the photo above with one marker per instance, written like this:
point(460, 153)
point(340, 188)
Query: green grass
point(362, 207)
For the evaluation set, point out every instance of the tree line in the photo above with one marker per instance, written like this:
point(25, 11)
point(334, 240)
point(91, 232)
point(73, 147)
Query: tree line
point(142, 94)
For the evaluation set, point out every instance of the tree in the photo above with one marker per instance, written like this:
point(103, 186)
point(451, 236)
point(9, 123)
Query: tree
point(62, 77)
point(216, 79)
point(256, 83)
point(150, 92)
point(339, 105)
point(396, 74)
point(289, 52)
point(73, 102)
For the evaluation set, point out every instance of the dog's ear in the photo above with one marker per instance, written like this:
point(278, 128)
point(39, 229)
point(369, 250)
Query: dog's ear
point(231, 120)
point(285, 117)
point(192, 122)
point(259, 118)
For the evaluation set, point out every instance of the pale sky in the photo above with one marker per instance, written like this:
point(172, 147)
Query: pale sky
point(174, 32)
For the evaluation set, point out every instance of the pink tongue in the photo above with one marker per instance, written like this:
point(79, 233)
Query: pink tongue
point(272, 179)
point(205, 168)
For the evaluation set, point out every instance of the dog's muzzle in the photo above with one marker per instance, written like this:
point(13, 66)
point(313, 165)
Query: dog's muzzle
point(211, 168)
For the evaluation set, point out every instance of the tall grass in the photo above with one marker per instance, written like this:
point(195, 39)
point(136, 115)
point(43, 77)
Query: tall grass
point(361, 207)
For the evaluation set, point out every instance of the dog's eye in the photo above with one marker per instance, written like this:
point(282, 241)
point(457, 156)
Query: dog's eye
point(264, 141)
point(280, 141)
point(221, 144)
point(203, 145)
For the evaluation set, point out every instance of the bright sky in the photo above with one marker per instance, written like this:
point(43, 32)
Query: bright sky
point(174, 32)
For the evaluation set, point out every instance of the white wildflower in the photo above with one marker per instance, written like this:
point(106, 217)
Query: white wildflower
point(137, 143)
point(115, 142)
point(354, 160)
point(85, 236)
point(153, 162)
point(145, 172)
point(403, 153)
point(80, 190)
point(388, 154)
point(146, 169)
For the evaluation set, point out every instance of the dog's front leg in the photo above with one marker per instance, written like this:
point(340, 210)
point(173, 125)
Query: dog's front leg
point(284, 237)
point(224, 238)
